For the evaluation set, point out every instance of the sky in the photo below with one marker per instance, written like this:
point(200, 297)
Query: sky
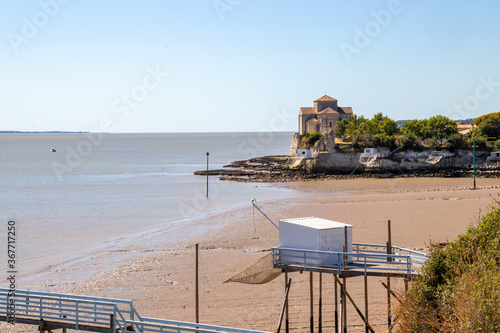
point(241, 65)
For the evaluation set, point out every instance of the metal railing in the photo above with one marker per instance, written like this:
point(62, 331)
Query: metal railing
point(364, 258)
point(87, 312)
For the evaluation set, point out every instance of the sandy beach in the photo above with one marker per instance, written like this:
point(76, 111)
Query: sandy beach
point(161, 283)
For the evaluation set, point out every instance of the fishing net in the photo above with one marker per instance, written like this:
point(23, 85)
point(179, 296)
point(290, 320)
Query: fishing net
point(259, 273)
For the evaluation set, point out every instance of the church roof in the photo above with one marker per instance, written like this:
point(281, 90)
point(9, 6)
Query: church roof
point(313, 120)
point(327, 111)
point(326, 98)
point(345, 109)
point(307, 110)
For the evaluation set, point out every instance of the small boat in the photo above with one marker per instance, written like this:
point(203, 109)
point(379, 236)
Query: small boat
point(53, 150)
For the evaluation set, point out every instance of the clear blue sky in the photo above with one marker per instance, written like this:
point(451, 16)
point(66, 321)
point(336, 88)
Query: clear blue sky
point(231, 65)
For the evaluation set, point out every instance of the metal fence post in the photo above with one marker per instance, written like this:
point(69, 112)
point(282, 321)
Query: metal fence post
point(76, 304)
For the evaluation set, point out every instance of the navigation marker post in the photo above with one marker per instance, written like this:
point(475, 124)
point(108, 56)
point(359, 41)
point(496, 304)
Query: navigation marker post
point(207, 174)
point(474, 160)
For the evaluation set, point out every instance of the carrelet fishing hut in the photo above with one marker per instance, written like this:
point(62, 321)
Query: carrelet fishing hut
point(314, 234)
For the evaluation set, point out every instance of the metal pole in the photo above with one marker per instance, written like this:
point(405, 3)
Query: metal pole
point(197, 299)
point(366, 304)
point(336, 308)
point(311, 304)
point(389, 252)
point(344, 315)
point(320, 306)
point(287, 326)
point(474, 159)
point(207, 174)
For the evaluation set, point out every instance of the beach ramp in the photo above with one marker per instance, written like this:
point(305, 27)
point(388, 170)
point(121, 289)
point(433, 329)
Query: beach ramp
point(51, 311)
point(259, 273)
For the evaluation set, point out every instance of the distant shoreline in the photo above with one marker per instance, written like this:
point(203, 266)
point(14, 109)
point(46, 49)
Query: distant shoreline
point(42, 132)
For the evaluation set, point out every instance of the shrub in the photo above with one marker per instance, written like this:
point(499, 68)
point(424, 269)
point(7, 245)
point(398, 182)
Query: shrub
point(309, 139)
point(455, 141)
point(408, 141)
point(459, 288)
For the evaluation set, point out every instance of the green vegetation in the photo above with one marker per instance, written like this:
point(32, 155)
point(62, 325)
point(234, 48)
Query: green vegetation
point(438, 132)
point(459, 288)
point(488, 128)
point(309, 139)
point(379, 131)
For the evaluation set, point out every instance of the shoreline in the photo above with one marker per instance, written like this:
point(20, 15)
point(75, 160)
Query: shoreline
point(283, 169)
point(160, 279)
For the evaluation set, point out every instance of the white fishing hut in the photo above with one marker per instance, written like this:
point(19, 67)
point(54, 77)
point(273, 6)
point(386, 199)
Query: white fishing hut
point(313, 233)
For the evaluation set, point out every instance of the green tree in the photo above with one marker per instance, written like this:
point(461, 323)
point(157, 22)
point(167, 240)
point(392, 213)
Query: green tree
point(455, 141)
point(341, 127)
point(490, 125)
point(478, 120)
point(409, 141)
point(442, 127)
point(479, 137)
point(417, 128)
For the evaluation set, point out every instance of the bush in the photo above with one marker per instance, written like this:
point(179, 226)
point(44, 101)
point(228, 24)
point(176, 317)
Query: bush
point(455, 141)
point(408, 141)
point(384, 140)
point(459, 288)
point(309, 139)
point(496, 146)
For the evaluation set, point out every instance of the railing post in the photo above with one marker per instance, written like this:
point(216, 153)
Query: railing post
point(408, 260)
point(7, 308)
point(76, 304)
point(112, 323)
point(114, 316)
point(339, 263)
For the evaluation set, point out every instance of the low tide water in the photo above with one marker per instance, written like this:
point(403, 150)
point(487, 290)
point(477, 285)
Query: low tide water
point(100, 191)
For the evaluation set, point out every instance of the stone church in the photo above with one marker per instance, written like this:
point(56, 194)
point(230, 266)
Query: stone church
point(323, 116)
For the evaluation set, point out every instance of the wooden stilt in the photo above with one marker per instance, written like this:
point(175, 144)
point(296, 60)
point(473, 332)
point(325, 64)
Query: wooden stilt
point(320, 305)
point(197, 297)
point(343, 290)
point(285, 301)
point(406, 285)
point(370, 329)
point(344, 314)
point(366, 304)
point(389, 251)
point(311, 302)
point(336, 307)
point(392, 293)
point(287, 327)
point(342, 307)
point(111, 323)
point(389, 321)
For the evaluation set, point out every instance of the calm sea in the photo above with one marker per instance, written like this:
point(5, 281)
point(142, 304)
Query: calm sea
point(99, 191)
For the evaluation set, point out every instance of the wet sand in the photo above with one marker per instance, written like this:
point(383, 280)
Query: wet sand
point(160, 281)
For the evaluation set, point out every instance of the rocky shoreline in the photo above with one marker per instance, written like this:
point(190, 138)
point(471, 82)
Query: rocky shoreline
point(278, 169)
